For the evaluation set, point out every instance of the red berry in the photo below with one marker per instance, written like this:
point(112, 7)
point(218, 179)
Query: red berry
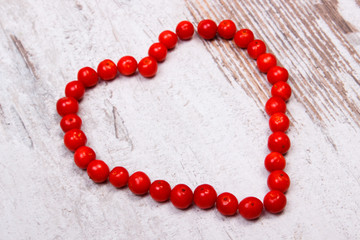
point(250, 208)
point(107, 70)
point(185, 30)
point(278, 180)
point(279, 142)
point(282, 90)
point(147, 67)
point(226, 29)
point(119, 177)
point(66, 106)
point(256, 48)
point(227, 204)
point(181, 196)
point(139, 183)
point(75, 89)
point(158, 51)
point(160, 190)
point(274, 161)
point(74, 138)
point(98, 171)
point(127, 65)
point(279, 122)
point(83, 156)
point(168, 38)
point(88, 76)
point(205, 196)
point(274, 201)
point(70, 121)
point(243, 37)
point(207, 29)
point(277, 74)
point(266, 61)
point(275, 105)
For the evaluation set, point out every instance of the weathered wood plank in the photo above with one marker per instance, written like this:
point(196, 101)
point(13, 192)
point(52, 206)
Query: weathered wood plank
point(201, 120)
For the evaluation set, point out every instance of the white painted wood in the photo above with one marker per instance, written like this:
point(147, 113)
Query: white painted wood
point(198, 121)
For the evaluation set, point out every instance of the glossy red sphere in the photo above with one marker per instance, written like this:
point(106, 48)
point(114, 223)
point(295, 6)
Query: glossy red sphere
point(278, 180)
point(148, 67)
point(274, 201)
point(250, 208)
point(207, 29)
point(107, 70)
point(275, 105)
point(181, 196)
point(98, 171)
point(139, 183)
point(75, 89)
point(74, 138)
point(185, 30)
point(243, 37)
point(168, 38)
point(274, 161)
point(83, 156)
point(127, 65)
point(227, 204)
point(66, 106)
point(119, 177)
point(70, 121)
point(205, 196)
point(226, 29)
point(160, 190)
point(88, 76)
point(279, 142)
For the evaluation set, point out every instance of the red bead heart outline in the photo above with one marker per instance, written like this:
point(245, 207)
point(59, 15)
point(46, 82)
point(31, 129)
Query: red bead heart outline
point(181, 195)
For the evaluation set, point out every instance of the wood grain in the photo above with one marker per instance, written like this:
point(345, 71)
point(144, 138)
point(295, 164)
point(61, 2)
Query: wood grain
point(200, 120)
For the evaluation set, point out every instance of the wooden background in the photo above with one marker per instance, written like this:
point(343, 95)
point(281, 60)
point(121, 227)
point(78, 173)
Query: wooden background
point(200, 120)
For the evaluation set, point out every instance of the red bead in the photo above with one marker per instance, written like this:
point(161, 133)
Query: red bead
point(278, 180)
point(279, 142)
point(139, 183)
point(127, 65)
point(74, 138)
point(227, 204)
point(83, 156)
point(66, 106)
point(282, 90)
point(279, 122)
point(277, 74)
point(160, 190)
point(207, 29)
point(98, 171)
point(119, 177)
point(274, 161)
point(274, 201)
point(256, 48)
point(185, 30)
point(158, 51)
point(70, 121)
point(181, 196)
point(88, 76)
point(275, 105)
point(107, 70)
point(75, 89)
point(243, 37)
point(205, 196)
point(168, 38)
point(147, 67)
point(250, 208)
point(226, 29)
point(266, 61)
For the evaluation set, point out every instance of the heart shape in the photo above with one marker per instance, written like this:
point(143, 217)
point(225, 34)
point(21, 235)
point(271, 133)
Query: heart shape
point(181, 196)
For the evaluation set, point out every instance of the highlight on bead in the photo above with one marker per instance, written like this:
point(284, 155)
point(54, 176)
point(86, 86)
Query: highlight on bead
point(181, 195)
